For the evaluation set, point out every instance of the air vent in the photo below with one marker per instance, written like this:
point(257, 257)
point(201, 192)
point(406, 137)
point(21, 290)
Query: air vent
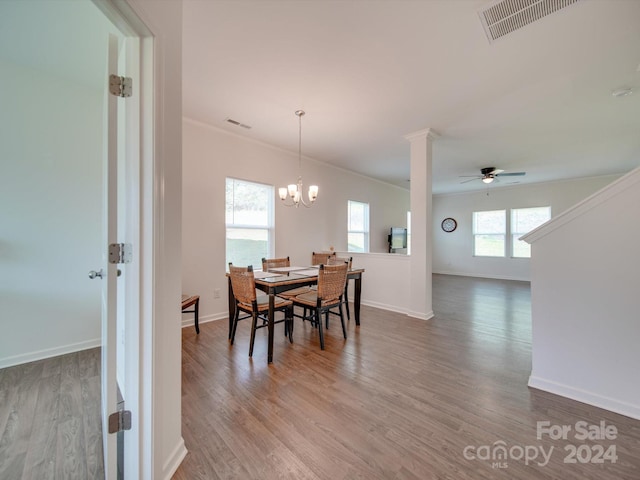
point(507, 16)
point(237, 123)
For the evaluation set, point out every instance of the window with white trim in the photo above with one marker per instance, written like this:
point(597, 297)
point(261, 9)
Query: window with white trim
point(489, 233)
point(357, 226)
point(523, 220)
point(249, 222)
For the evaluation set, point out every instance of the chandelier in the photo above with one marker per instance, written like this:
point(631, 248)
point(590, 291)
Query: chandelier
point(294, 191)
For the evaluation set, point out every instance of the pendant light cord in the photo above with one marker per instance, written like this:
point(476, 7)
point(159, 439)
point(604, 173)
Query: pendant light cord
point(300, 113)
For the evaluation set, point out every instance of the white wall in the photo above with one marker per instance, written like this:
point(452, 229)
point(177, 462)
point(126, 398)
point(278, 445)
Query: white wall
point(385, 281)
point(585, 302)
point(51, 201)
point(453, 252)
point(210, 155)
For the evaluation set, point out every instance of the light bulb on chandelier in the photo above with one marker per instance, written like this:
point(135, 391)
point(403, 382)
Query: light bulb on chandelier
point(294, 190)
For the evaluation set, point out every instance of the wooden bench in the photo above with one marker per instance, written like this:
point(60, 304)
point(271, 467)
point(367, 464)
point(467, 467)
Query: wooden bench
point(194, 301)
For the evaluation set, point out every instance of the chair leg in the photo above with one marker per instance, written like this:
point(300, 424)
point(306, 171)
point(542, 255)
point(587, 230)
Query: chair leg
point(232, 336)
point(319, 317)
point(286, 323)
point(253, 332)
point(344, 330)
point(289, 321)
point(312, 318)
point(326, 319)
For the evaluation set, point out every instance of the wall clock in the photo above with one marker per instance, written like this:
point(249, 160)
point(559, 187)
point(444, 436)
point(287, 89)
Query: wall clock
point(449, 224)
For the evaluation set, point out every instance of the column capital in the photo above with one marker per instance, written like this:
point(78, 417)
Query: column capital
point(429, 133)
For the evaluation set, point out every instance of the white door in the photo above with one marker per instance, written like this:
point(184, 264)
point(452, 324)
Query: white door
point(109, 270)
point(120, 337)
point(121, 359)
point(120, 266)
point(128, 316)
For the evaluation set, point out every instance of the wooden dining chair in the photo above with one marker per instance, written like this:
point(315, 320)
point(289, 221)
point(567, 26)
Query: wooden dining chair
point(192, 301)
point(317, 258)
point(289, 294)
point(331, 282)
point(335, 260)
point(321, 258)
point(244, 290)
point(269, 263)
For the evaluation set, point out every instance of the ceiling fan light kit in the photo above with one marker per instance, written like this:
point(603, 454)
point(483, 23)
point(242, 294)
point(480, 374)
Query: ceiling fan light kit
point(489, 174)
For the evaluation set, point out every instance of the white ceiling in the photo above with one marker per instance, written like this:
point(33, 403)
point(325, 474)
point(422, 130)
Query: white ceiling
point(369, 72)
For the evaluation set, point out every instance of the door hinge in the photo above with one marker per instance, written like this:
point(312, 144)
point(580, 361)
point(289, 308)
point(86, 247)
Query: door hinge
point(120, 253)
point(120, 86)
point(120, 421)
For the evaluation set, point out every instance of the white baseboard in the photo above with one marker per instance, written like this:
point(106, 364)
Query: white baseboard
point(590, 398)
point(189, 321)
point(48, 353)
point(397, 309)
point(479, 275)
point(420, 315)
point(382, 306)
point(175, 459)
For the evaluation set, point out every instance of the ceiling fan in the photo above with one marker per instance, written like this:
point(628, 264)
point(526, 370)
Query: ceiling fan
point(489, 174)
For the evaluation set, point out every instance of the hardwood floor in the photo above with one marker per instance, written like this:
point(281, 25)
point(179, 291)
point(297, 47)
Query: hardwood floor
point(50, 424)
point(399, 399)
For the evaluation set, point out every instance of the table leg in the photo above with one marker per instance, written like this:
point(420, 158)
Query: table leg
point(270, 327)
point(356, 300)
point(232, 306)
point(346, 299)
point(195, 311)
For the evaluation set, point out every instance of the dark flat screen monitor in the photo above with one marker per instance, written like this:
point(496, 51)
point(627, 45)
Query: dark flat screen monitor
point(398, 237)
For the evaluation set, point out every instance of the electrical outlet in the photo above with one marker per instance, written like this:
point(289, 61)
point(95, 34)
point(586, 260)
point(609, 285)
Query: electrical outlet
point(216, 293)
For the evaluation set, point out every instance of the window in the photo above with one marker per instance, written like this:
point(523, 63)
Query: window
point(249, 221)
point(358, 227)
point(489, 232)
point(523, 220)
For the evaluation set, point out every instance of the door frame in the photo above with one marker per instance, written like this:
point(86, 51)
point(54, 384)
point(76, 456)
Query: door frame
point(139, 339)
point(158, 25)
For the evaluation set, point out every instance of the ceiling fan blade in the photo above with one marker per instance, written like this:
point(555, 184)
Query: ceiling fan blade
point(470, 180)
point(514, 174)
point(474, 176)
point(496, 171)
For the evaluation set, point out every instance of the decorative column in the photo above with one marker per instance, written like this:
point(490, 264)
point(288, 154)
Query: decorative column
point(421, 263)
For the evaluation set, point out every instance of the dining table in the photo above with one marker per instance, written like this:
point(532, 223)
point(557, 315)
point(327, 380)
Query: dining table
point(280, 279)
